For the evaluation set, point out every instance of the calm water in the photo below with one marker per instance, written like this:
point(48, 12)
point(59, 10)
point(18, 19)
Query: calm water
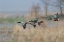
point(49, 24)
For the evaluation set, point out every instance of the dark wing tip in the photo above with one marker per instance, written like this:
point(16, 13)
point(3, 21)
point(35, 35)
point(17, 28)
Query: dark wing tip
point(18, 22)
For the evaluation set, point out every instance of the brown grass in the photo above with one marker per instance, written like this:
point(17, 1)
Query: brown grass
point(39, 34)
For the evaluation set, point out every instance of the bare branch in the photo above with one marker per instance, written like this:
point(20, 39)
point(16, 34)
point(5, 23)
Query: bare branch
point(46, 4)
point(35, 10)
